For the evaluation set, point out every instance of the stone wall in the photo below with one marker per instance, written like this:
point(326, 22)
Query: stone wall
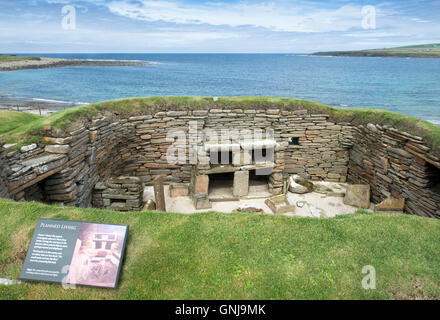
point(121, 193)
point(4, 191)
point(396, 164)
point(67, 166)
point(69, 163)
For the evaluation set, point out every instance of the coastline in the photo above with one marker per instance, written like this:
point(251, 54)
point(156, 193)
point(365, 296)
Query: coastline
point(59, 62)
point(372, 55)
point(36, 106)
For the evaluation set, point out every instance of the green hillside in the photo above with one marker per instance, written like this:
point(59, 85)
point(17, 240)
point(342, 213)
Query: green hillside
point(417, 51)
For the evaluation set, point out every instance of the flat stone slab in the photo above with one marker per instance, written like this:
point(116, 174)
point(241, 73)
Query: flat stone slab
point(358, 195)
point(279, 204)
point(391, 205)
point(36, 162)
point(57, 148)
point(124, 180)
point(241, 183)
point(29, 147)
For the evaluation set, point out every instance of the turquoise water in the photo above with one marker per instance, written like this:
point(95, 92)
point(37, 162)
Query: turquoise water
point(410, 86)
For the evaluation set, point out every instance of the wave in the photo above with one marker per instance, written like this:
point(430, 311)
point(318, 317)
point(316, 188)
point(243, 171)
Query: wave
point(60, 101)
point(434, 121)
point(50, 100)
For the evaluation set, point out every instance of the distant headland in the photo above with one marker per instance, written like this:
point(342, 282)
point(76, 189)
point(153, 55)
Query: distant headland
point(13, 62)
point(418, 51)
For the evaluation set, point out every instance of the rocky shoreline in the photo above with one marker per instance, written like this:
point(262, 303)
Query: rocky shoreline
point(372, 54)
point(58, 62)
point(36, 106)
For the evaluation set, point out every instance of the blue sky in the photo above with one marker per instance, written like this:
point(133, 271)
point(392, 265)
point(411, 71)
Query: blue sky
point(254, 26)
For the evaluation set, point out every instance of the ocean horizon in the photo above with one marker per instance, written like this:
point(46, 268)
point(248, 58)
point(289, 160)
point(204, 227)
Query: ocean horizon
point(405, 85)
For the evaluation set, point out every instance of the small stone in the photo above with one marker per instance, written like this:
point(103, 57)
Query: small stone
point(150, 205)
point(57, 148)
point(100, 186)
point(28, 147)
point(301, 204)
point(202, 204)
point(8, 282)
point(372, 127)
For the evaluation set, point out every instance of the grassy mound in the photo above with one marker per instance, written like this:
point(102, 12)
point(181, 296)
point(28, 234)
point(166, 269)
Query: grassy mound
point(242, 256)
point(31, 131)
point(10, 120)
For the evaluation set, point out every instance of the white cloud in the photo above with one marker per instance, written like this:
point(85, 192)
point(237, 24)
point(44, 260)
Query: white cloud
point(187, 37)
point(276, 17)
point(372, 34)
point(420, 20)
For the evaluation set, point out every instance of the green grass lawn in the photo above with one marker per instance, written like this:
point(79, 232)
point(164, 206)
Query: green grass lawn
point(12, 58)
point(10, 120)
point(242, 256)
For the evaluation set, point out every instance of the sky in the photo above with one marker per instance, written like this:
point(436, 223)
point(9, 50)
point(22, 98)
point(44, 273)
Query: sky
point(219, 26)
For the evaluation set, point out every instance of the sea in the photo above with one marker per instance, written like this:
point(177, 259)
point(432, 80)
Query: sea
point(406, 85)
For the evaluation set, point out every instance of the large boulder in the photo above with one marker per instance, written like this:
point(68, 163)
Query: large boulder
point(358, 195)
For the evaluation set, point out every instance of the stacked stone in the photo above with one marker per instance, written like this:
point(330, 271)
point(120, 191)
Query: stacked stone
point(152, 145)
point(66, 186)
point(321, 151)
point(199, 191)
point(121, 193)
point(396, 164)
point(28, 167)
point(71, 161)
point(4, 191)
point(92, 157)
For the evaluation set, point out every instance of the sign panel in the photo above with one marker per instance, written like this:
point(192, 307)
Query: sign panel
point(74, 252)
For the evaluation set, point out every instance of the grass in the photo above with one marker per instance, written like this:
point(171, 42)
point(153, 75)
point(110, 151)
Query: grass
point(33, 131)
point(12, 58)
point(10, 120)
point(419, 51)
point(242, 256)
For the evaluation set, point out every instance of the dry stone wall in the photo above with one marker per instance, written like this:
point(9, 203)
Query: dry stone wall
point(4, 191)
point(396, 164)
point(67, 166)
point(119, 193)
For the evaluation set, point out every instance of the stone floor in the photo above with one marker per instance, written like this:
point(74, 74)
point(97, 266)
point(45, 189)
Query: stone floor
point(330, 205)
